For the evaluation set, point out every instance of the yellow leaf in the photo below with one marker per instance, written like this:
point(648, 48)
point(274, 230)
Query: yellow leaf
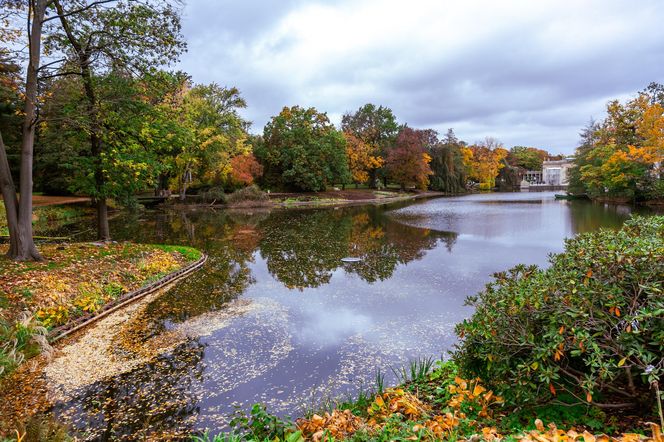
point(478, 390)
point(622, 362)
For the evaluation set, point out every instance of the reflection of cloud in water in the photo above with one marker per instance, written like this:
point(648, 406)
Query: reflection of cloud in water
point(383, 347)
point(329, 325)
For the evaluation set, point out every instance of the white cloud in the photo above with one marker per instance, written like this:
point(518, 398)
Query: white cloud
point(528, 72)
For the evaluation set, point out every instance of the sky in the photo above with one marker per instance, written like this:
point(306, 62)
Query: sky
point(526, 72)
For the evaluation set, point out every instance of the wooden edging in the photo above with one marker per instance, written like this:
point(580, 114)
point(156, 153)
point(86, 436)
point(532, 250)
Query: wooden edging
point(62, 331)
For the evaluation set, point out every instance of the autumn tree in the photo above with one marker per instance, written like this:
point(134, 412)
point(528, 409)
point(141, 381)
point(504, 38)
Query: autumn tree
point(216, 135)
point(244, 170)
point(376, 126)
point(123, 37)
point(622, 156)
point(363, 158)
point(408, 161)
point(304, 150)
point(484, 160)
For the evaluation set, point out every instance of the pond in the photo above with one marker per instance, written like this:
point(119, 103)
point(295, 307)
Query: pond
point(275, 316)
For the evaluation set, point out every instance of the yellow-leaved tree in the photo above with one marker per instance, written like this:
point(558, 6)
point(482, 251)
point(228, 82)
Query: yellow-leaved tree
point(363, 157)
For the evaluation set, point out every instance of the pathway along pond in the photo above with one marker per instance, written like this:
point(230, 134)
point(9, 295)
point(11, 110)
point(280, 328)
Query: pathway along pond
point(276, 317)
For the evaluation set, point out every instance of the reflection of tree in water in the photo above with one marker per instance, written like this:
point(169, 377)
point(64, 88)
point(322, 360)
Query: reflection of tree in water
point(588, 217)
point(229, 242)
point(159, 398)
point(303, 248)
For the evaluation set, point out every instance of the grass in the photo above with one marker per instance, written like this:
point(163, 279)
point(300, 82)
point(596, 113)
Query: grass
point(415, 371)
point(189, 253)
point(76, 279)
point(46, 217)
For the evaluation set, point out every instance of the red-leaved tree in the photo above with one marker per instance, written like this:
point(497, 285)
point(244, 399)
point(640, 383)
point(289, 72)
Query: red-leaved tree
point(245, 169)
point(408, 162)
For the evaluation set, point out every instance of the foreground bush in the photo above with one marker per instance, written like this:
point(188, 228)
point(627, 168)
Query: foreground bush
point(590, 327)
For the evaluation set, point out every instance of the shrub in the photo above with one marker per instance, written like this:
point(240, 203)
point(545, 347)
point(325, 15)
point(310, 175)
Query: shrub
point(261, 425)
point(20, 340)
point(589, 325)
point(213, 195)
point(249, 194)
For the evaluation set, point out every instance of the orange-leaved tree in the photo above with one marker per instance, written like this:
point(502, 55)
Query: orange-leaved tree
point(484, 161)
point(245, 169)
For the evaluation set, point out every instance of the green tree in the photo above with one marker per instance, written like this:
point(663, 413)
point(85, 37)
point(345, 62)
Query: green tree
point(529, 158)
point(304, 150)
point(449, 172)
point(124, 38)
point(588, 137)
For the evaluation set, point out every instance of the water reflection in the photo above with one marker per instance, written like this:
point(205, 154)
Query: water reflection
point(275, 316)
point(303, 249)
point(159, 399)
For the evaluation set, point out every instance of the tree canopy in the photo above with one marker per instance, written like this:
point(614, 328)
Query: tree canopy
point(304, 150)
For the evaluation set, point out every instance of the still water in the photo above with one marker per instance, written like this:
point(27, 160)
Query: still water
point(276, 317)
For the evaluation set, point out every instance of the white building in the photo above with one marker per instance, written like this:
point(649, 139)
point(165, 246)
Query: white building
point(556, 173)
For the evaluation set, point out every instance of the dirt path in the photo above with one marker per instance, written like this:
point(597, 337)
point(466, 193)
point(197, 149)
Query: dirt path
point(43, 200)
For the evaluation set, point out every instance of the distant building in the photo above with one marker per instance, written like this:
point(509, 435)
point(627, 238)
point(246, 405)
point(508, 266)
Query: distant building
point(556, 173)
point(533, 176)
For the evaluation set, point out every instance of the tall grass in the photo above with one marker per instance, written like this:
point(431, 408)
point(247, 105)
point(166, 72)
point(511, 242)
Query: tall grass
point(415, 370)
point(20, 340)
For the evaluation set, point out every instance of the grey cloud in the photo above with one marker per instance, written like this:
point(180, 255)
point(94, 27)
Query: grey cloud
point(520, 83)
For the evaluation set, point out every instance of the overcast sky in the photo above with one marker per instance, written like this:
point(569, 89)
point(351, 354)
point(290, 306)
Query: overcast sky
point(527, 72)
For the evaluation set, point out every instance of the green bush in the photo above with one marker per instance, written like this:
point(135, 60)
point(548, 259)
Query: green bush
point(591, 326)
point(485, 186)
point(213, 195)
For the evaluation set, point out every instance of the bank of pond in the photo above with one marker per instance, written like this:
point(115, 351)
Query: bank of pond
point(275, 317)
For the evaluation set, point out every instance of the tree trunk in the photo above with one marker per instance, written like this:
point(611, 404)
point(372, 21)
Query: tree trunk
point(19, 217)
point(11, 203)
point(372, 178)
point(103, 232)
point(186, 178)
point(84, 60)
point(183, 191)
